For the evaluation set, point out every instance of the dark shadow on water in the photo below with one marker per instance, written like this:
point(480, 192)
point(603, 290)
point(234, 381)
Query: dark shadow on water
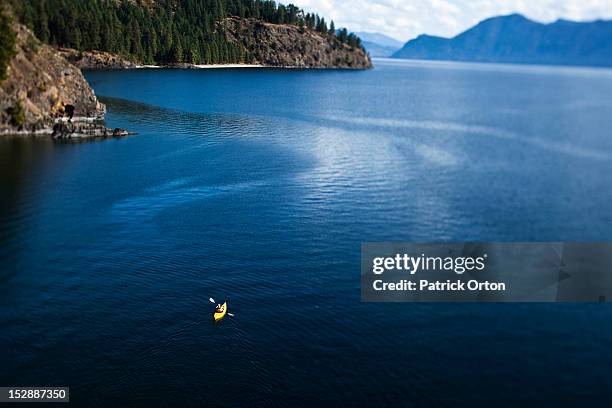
point(144, 117)
point(22, 159)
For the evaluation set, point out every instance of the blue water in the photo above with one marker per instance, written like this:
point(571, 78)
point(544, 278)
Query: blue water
point(258, 186)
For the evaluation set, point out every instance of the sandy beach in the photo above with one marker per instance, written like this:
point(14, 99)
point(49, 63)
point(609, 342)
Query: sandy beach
point(204, 66)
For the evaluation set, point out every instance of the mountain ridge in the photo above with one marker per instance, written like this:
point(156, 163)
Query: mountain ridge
point(379, 38)
point(516, 39)
point(379, 45)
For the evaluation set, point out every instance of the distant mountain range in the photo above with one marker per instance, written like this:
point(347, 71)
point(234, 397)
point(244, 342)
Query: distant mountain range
point(516, 39)
point(379, 45)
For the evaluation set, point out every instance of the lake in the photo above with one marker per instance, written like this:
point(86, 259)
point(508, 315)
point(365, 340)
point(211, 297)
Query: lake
point(257, 186)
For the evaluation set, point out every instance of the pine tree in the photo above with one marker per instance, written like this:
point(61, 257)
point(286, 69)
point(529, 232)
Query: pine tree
point(343, 35)
point(42, 23)
point(176, 54)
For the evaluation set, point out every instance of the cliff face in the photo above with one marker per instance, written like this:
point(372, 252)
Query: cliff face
point(274, 45)
point(38, 85)
point(282, 45)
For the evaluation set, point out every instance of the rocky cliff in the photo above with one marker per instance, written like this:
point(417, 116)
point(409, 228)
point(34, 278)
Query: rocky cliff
point(95, 59)
point(273, 45)
point(42, 89)
point(284, 45)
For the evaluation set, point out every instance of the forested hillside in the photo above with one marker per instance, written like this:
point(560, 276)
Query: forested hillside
point(161, 31)
point(7, 41)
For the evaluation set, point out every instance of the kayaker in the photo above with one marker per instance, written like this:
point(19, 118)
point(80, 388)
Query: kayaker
point(218, 308)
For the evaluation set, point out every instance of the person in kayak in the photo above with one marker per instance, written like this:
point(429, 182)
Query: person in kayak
point(219, 308)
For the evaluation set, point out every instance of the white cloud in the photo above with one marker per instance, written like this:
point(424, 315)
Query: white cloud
point(405, 19)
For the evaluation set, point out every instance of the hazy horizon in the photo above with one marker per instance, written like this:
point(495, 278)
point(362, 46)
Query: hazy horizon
point(405, 20)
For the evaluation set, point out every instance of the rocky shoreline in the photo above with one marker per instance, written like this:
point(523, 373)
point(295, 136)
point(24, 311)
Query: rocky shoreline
point(288, 46)
point(281, 46)
point(85, 128)
point(45, 92)
point(44, 95)
point(76, 129)
point(97, 60)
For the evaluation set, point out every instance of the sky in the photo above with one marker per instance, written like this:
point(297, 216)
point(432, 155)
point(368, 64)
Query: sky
point(405, 19)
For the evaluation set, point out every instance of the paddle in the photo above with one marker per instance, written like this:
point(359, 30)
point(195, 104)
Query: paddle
point(213, 301)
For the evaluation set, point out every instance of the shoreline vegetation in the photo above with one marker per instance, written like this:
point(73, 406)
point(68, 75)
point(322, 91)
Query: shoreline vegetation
point(198, 32)
point(204, 66)
point(94, 60)
point(45, 44)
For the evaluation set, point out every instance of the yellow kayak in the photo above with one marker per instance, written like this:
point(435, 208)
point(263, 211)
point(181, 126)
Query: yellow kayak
point(220, 315)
